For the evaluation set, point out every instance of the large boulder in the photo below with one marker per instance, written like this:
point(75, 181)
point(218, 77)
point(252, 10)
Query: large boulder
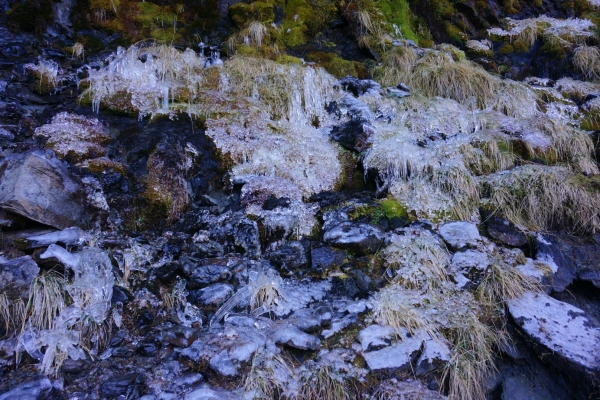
point(38, 186)
point(564, 335)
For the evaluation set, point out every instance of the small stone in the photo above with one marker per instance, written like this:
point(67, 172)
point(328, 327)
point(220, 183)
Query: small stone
point(294, 337)
point(128, 385)
point(460, 234)
point(359, 238)
point(215, 294)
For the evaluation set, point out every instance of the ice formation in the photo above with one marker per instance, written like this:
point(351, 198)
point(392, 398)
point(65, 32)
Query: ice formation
point(90, 292)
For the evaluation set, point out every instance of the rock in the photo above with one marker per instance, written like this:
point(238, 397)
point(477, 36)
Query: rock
point(214, 270)
point(519, 388)
point(16, 276)
point(435, 355)
point(206, 393)
point(471, 264)
point(459, 234)
point(396, 92)
point(36, 389)
point(375, 337)
point(506, 232)
point(293, 337)
point(565, 333)
point(354, 108)
point(225, 352)
point(291, 256)
point(399, 356)
point(324, 258)
point(305, 320)
point(358, 87)
point(408, 389)
point(181, 336)
point(359, 238)
point(39, 187)
point(570, 257)
point(215, 294)
point(354, 134)
point(127, 385)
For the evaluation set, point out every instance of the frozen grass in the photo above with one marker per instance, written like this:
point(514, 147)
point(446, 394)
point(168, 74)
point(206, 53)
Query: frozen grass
point(324, 384)
point(396, 66)
point(576, 90)
point(504, 282)
point(46, 300)
point(453, 315)
point(563, 32)
point(586, 59)
point(418, 258)
point(437, 74)
point(263, 292)
point(541, 197)
point(394, 306)
point(12, 314)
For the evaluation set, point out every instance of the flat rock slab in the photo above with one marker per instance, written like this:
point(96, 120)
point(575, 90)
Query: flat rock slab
point(459, 234)
point(560, 327)
point(42, 189)
point(359, 238)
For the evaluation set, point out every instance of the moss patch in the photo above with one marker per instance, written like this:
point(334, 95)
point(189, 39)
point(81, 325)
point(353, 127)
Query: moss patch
point(336, 65)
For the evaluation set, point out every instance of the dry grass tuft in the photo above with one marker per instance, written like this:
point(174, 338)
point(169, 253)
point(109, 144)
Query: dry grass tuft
point(540, 197)
point(437, 74)
point(586, 59)
point(46, 300)
point(504, 282)
point(324, 384)
point(418, 258)
point(396, 66)
point(12, 314)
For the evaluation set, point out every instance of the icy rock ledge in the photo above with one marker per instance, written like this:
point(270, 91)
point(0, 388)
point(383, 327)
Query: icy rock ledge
point(560, 327)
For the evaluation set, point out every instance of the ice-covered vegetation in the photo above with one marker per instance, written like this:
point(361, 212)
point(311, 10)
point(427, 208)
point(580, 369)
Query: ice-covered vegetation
point(66, 316)
point(422, 297)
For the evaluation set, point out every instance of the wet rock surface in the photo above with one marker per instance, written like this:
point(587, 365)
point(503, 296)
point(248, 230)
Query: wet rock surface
point(203, 297)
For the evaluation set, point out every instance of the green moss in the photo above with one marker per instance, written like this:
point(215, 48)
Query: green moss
point(334, 64)
point(397, 12)
point(242, 14)
point(521, 46)
point(554, 48)
point(392, 208)
point(426, 43)
point(287, 59)
point(388, 208)
point(506, 49)
point(158, 22)
point(455, 34)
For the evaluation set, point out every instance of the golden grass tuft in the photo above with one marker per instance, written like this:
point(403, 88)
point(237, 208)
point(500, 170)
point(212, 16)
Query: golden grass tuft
point(586, 59)
point(324, 384)
point(396, 66)
point(12, 314)
point(437, 74)
point(541, 197)
point(46, 300)
point(504, 282)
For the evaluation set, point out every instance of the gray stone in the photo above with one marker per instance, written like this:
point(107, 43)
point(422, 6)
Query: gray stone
point(359, 238)
point(35, 389)
point(375, 337)
point(16, 276)
point(293, 337)
point(290, 256)
point(460, 234)
point(225, 352)
point(400, 355)
point(506, 232)
point(471, 264)
point(324, 258)
point(128, 385)
point(42, 189)
point(212, 271)
point(215, 294)
point(561, 328)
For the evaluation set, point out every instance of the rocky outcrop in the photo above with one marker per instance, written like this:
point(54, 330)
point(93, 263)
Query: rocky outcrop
point(566, 337)
point(40, 187)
